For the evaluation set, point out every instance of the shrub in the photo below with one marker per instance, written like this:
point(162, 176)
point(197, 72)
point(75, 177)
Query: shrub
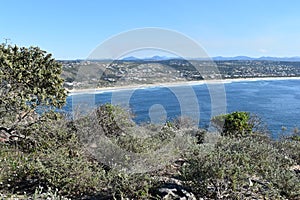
point(113, 120)
point(57, 161)
point(289, 148)
point(235, 124)
point(131, 186)
point(241, 168)
point(295, 136)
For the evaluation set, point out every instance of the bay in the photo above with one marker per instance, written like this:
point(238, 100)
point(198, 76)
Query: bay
point(277, 102)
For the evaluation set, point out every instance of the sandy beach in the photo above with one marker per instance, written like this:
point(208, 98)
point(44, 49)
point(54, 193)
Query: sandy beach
point(173, 84)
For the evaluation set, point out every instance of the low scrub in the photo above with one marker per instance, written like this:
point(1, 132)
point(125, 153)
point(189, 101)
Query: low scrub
point(244, 168)
point(55, 159)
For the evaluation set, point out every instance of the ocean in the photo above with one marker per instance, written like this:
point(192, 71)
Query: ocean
point(276, 102)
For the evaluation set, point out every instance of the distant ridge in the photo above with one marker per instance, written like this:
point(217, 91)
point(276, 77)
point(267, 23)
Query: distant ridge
point(266, 58)
point(233, 58)
point(217, 58)
point(153, 58)
point(131, 58)
point(294, 59)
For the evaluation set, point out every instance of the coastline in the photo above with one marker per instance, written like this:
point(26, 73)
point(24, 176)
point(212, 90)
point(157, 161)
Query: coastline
point(174, 84)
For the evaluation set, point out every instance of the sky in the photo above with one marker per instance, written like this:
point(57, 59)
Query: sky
point(73, 29)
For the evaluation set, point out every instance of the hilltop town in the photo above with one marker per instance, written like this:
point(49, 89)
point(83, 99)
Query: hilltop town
point(90, 74)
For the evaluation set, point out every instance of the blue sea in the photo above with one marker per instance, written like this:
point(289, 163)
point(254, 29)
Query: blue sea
point(276, 102)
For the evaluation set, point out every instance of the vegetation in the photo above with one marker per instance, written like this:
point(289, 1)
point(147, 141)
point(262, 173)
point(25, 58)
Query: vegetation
point(236, 124)
point(52, 156)
point(29, 78)
point(244, 168)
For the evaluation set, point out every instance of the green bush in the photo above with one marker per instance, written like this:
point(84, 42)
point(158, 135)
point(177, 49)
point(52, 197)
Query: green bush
point(138, 144)
point(131, 186)
point(295, 136)
point(59, 160)
point(240, 169)
point(289, 148)
point(113, 120)
point(235, 124)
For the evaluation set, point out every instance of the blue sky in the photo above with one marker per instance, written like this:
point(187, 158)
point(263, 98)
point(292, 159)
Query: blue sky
point(72, 29)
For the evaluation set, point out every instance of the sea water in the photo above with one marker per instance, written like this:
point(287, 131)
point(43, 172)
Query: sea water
point(276, 102)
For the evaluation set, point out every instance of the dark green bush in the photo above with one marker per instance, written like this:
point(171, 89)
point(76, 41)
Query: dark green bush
point(235, 124)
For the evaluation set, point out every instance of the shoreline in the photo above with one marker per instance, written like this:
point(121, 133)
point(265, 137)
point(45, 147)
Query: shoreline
point(174, 84)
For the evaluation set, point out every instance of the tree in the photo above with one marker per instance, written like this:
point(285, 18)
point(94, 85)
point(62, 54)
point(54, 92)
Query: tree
point(29, 78)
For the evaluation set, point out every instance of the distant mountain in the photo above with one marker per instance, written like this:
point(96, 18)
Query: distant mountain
point(217, 58)
point(232, 58)
point(153, 58)
point(268, 58)
point(290, 59)
point(131, 58)
point(157, 58)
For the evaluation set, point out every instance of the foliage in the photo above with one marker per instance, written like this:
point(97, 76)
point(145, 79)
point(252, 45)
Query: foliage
point(289, 148)
point(289, 145)
point(242, 168)
point(296, 135)
point(113, 119)
point(58, 160)
point(234, 124)
point(131, 186)
point(218, 167)
point(29, 78)
point(183, 124)
point(39, 193)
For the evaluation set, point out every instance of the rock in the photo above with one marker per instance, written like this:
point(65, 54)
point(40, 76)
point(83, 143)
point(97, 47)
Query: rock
point(295, 168)
point(173, 191)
